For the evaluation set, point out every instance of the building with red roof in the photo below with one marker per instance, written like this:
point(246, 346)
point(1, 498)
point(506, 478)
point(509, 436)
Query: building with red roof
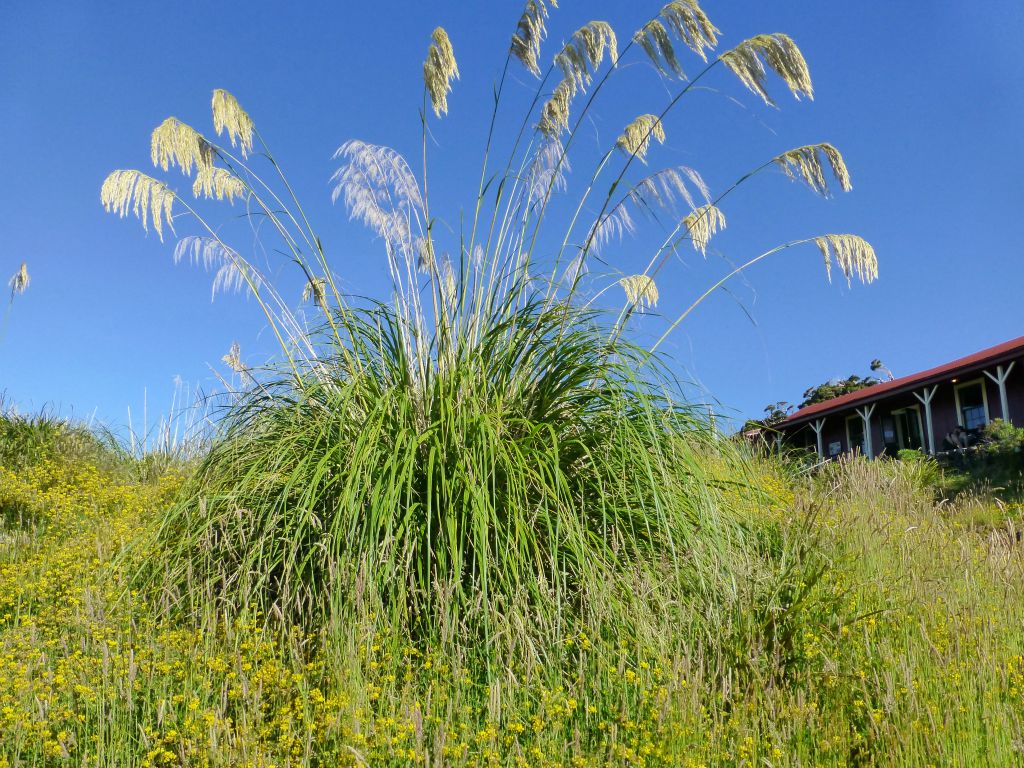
point(938, 409)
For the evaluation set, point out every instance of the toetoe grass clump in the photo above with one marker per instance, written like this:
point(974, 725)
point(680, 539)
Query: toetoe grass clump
point(522, 484)
point(487, 454)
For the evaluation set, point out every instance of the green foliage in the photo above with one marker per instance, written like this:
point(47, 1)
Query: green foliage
point(836, 388)
point(29, 440)
point(1001, 438)
point(524, 479)
point(922, 470)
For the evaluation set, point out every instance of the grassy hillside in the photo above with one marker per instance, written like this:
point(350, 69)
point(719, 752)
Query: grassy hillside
point(863, 624)
point(476, 523)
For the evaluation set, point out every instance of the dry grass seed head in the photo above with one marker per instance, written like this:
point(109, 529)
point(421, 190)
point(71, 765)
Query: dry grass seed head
point(805, 164)
point(688, 22)
point(585, 51)
point(691, 25)
point(548, 169)
point(218, 183)
point(780, 54)
point(530, 33)
point(577, 61)
point(424, 249)
point(660, 189)
point(636, 138)
point(231, 272)
point(379, 189)
point(233, 359)
point(853, 254)
point(651, 194)
point(447, 281)
point(641, 290)
point(316, 289)
point(439, 70)
point(145, 195)
point(175, 143)
point(20, 280)
point(229, 116)
point(554, 117)
point(702, 223)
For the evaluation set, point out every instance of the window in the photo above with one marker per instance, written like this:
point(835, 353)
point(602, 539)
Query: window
point(908, 427)
point(855, 433)
point(972, 404)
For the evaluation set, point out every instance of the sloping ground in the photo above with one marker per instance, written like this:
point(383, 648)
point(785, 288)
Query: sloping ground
point(871, 627)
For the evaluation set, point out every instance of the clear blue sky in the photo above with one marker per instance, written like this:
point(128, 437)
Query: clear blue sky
point(926, 101)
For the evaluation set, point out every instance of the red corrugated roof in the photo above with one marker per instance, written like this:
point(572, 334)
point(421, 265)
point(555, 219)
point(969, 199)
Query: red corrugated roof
point(998, 353)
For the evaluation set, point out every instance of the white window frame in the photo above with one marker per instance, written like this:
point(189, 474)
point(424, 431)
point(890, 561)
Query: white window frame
point(849, 440)
point(984, 399)
point(901, 439)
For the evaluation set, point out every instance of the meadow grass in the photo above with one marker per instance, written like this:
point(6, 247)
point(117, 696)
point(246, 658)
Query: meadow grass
point(869, 625)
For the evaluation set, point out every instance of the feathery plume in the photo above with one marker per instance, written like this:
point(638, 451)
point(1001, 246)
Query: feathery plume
point(548, 169)
point(702, 223)
point(554, 116)
point(439, 70)
point(232, 272)
point(691, 26)
point(316, 289)
point(614, 225)
point(229, 116)
point(659, 190)
point(585, 51)
point(447, 280)
point(641, 290)
point(233, 359)
point(805, 164)
point(638, 134)
point(575, 270)
point(651, 194)
point(218, 183)
point(144, 194)
point(852, 253)
point(19, 281)
point(424, 248)
point(476, 259)
point(379, 189)
point(175, 143)
point(780, 54)
point(577, 61)
point(530, 33)
point(208, 252)
point(234, 276)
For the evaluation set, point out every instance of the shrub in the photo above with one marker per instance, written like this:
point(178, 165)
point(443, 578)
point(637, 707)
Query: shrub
point(1001, 438)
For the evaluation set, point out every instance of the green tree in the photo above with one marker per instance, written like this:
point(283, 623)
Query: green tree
point(836, 388)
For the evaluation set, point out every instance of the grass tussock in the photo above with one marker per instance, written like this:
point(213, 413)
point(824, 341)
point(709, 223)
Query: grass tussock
point(487, 449)
point(521, 491)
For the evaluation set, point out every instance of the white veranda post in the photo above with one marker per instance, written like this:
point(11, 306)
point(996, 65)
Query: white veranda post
point(865, 414)
point(817, 426)
point(925, 396)
point(1001, 375)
